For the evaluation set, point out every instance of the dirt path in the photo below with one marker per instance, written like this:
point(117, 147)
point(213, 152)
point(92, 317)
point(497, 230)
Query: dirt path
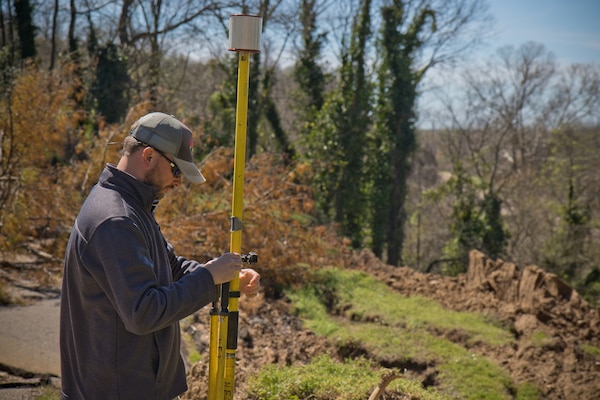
point(29, 337)
point(29, 349)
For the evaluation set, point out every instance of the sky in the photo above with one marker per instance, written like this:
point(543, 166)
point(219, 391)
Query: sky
point(568, 28)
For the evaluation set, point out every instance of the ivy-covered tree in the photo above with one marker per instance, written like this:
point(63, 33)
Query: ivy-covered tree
point(307, 71)
point(220, 124)
point(394, 138)
point(25, 28)
point(110, 88)
point(338, 142)
point(272, 116)
point(570, 249)
point(467, 227)
point(475, 220)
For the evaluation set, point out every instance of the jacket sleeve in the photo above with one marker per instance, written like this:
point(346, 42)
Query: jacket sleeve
point(128, 277)
point(181, 266)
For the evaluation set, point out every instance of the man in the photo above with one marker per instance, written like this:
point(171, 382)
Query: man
point(124, 290)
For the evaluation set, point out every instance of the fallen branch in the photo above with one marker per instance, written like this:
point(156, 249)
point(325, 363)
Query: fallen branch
point(385, 381)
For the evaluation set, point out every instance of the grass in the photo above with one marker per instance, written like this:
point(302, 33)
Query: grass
point(526, 391)
point(539, 339)
point(591, 350)
point(354, 309)
point(193, 355)
point(48, 393)
point(324, 378)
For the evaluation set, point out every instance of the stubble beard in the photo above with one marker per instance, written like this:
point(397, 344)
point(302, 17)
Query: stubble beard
point(151, 180)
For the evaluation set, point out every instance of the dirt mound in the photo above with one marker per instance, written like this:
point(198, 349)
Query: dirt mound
point(552, 324)
point(268, 334)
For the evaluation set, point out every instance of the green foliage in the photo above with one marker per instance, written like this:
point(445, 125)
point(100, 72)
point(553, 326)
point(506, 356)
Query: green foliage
point(569, 250)
point(473, 377)
point(193, 355)
point(309, 98)
point(590, 287)
point(361, 297)
point(527, 391)
point(220, 125)
point(476, 220)
point(467, 226)
point(494, 236)
point(539, 339)
point(349, 168)
point(272, 116)
point(322, 378)
point(325, 153)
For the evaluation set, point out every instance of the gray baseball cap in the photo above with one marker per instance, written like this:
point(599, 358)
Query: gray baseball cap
point(169, 135)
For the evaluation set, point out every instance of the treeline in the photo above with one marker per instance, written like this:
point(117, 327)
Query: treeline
point(509, 166)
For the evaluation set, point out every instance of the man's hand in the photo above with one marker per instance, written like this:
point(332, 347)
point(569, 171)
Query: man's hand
point(249, 282)
point(224, 268)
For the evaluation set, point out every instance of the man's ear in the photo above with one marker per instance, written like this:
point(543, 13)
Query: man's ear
point(147, 154)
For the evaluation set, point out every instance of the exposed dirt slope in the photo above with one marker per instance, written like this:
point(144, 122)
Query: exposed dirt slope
point(529, 300)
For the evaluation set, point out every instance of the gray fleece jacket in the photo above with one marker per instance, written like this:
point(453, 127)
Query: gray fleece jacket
point(124, 292)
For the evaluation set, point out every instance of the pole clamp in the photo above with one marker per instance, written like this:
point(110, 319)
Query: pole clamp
point(250, 258)
point(236, 224)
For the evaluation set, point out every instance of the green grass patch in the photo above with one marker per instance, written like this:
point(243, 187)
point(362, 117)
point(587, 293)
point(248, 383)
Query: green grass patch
point(539, 339)
point(47, 393)
point(324, 378)
point(591, 350)
point(193, 356)
point(363, 298)
point(527, 391)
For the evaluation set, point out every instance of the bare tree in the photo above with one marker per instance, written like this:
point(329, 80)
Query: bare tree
point(575, 97)
point(513, 90)
point(146, 30)
point(53, 35)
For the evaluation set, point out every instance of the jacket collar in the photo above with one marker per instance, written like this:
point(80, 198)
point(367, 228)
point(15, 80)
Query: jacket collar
point(126, 184)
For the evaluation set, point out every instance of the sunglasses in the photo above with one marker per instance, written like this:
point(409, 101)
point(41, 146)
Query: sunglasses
point(174, 168)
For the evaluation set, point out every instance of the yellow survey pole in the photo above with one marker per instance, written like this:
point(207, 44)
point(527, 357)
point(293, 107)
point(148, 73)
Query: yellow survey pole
point(244, 38)
point(236, 219)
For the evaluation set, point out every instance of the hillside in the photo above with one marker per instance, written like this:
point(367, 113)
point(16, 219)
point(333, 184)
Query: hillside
point(554, 328)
